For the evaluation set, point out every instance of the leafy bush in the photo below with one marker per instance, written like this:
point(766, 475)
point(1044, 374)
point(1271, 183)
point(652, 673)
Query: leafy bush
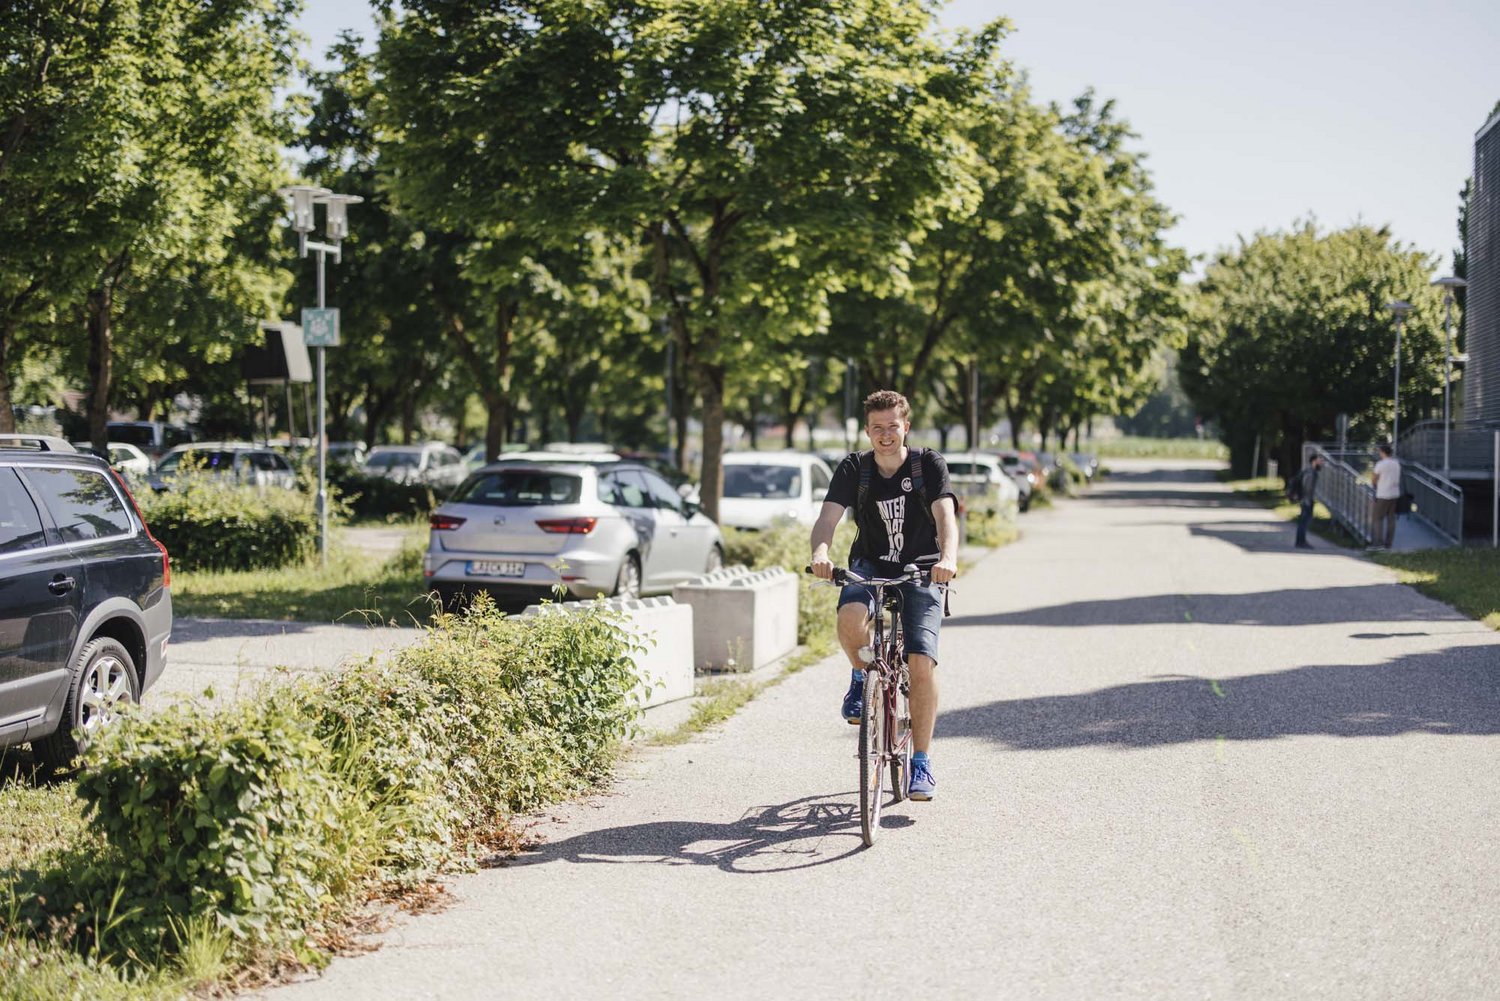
point(375, 497)
point(207, 524)
point(257, 821)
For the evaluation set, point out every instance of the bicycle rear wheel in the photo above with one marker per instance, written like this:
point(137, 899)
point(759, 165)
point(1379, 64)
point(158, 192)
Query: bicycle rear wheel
point(871, 746)
point(900, 737)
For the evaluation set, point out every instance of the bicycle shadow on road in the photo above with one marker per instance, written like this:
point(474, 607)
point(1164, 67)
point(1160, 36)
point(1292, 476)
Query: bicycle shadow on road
point(1450, 692)
point(1285, 607)
point(801, 834)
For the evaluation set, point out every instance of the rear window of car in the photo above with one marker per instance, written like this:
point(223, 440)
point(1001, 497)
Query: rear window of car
point(518, 488)
point(197, 458)
point(82, 501)
point(20, 522)
point(394, 460)
point(132, 434)
point(776, 482)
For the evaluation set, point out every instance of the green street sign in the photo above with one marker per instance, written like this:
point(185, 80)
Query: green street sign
point(320, 327)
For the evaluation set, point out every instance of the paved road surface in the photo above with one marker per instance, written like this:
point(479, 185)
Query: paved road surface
point(1177, 759)
point(231, 657)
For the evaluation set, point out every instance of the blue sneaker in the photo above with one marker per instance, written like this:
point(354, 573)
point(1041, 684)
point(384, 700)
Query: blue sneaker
point(854, 700)
point(923, 785)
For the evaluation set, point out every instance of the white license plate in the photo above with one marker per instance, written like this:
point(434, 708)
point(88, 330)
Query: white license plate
point(487, 568)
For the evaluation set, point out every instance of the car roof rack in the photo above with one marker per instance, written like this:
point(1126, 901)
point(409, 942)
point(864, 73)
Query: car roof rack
point(36, 442)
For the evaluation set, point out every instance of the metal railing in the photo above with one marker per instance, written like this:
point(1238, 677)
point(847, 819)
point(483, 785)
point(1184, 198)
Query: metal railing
point(1439, 501)
point(1350, 501)
point(1471, 445)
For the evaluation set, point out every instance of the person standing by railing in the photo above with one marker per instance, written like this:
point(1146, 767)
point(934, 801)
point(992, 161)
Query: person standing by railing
point(1304, 490)
point(1387, 476)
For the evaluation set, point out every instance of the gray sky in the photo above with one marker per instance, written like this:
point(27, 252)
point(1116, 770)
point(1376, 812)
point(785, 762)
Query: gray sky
point(1254, 115)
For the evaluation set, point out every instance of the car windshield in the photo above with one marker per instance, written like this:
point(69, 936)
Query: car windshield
point(197, 458)
point(394, 460)
point(762, 482)
point(519, 488)
point(132, 434)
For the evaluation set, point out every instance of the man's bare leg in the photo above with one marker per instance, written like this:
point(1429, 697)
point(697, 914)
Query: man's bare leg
point(854, 632)
point(924, 700)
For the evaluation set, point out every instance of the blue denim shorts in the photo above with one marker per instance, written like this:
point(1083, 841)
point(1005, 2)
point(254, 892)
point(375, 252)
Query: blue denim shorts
point(921, 609)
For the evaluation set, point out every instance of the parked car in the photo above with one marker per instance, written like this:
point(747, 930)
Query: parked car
point(764, 488)
point(1086, 461)
point(88, 606)
point(347, 453)
point(522, 527)
point(983, 482)
point(155, 438)
point(124, 457)
point(434, 464)
point(1026, 474)
point(243, 462)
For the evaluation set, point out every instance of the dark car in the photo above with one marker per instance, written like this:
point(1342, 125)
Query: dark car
point(85, 597)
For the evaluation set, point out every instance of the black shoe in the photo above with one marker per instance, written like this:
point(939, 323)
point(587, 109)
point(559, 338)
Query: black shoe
point(1304, 545)
point(854, 701)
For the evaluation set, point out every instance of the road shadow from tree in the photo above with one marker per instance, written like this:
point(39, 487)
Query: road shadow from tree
point(1451, 692)
point(1288, 607)
point(800, 834)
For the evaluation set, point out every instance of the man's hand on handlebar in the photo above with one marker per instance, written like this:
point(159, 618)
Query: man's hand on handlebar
point(944, 570)
point(821, 566)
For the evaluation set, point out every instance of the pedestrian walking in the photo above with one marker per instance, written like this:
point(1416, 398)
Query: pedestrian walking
point(1304, 490)
point(1387, 494)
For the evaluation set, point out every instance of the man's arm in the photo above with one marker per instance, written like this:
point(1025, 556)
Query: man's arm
point(947, 532)
point(822, 538)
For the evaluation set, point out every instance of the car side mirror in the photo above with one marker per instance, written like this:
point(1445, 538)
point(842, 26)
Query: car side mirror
point(690, 508)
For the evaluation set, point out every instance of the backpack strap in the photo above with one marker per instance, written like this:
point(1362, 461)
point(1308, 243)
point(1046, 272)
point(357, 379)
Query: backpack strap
point(866, 470)
point(918, 487)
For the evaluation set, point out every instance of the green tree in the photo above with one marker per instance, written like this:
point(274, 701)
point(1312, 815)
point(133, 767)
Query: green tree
point(155, 213)
point(745, 140)
point(1290, 330)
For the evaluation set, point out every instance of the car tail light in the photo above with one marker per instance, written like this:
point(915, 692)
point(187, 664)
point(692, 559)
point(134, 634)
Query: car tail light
point(567, 526)
point(166, 561)
point(444, 522)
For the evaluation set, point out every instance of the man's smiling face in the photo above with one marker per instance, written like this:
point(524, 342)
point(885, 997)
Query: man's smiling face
point(887, 431)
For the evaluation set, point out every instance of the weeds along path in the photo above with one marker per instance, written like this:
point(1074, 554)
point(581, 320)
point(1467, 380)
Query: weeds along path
point(1176, 758)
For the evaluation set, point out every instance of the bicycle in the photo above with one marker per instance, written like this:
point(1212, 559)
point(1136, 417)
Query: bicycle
point(885, 720)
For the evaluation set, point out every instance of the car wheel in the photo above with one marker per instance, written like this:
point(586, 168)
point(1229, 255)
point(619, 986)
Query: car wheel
point(628, 580)
point(104, 682)
point(715, 559)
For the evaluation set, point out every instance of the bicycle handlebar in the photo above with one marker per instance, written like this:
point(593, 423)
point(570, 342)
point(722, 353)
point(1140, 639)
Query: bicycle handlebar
point(911, 573)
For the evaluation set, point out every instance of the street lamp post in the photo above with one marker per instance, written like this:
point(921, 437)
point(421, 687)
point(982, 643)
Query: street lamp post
point(1400, 309)
point(303, 197)
point(1448, 285)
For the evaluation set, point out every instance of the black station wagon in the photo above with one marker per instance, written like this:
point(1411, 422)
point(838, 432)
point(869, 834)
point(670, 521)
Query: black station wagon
point(85, 597)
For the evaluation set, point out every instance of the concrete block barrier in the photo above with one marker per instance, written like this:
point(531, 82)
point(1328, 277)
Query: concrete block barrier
point(742, 619)
point(665, 629)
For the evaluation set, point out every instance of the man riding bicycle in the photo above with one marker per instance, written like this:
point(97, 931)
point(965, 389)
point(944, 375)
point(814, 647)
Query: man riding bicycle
point(904, 509)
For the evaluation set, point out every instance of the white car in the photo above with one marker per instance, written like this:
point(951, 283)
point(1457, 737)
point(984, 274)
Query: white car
point(984, 483)
point(123, 456)
point(243, 462)
point(762, 489)
point(434, 464)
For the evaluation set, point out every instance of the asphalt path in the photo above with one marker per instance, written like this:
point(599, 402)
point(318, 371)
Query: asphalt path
point(1176, 759)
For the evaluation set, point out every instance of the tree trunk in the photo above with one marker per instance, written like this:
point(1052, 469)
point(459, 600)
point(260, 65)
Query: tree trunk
point(496, 422)
point(711, 385)
point(7, 417)
point(100, 360)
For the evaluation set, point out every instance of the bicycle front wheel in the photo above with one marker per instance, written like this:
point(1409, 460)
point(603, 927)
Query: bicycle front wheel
point(900, 737)
point(871, 756)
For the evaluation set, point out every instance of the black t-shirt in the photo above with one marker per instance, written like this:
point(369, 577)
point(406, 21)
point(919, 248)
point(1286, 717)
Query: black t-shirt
point(900, 532)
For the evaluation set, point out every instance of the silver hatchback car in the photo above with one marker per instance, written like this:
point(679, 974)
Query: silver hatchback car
point(519, 529)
